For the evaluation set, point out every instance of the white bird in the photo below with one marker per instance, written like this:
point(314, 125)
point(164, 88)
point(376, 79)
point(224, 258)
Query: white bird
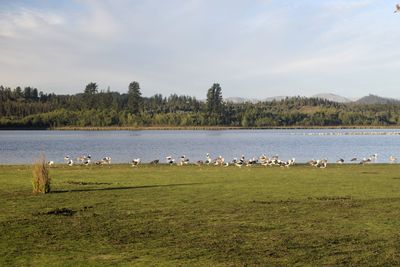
point(392, 159)
point(292, 161)
point(50, 163)
point(86, 160)
point(184, 160)
point(397, 8)
point(312, 162)
point(239, 163)
point(83, 159)
point(219, 161)
point(135, 162)
point(322, 163)
point(251, 162)
point(68, 160)
point(208, 159)
point(263, 160)
point(106, 160)
point(170, 160)
point(365, 160)
point(340, 161)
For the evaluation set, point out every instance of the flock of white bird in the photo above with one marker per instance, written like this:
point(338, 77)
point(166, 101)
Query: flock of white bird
point(220, 161)
point(84, 160)
point(262, 160)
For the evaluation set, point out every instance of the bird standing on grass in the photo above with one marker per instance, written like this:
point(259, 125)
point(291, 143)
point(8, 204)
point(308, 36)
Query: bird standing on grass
point(106, 160)
point(199, 162)
point(170, 160)
point(184, 160)
point(68, 160)
point(155, 162)
point(208, 159)
point(135, 162)
point(87, 160)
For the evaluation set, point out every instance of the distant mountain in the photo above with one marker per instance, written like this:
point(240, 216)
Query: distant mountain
point(370, 99)
point(374, 99)
point(237, 100)
point(333, 97)
point(276, 98)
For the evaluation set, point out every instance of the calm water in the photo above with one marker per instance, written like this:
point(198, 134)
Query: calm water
point(123, 146)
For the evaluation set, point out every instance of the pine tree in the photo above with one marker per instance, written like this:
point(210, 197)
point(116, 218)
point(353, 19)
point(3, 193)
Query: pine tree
point(91, 89)
point(134, 97)
point(89, 94)
point(214, 100)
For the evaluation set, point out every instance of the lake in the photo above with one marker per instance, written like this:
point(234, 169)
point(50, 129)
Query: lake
point(20, 147)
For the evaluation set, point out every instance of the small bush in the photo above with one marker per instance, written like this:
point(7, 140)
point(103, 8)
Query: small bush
point(41, 178)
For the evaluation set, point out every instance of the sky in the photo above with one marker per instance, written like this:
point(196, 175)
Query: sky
point(253, 49)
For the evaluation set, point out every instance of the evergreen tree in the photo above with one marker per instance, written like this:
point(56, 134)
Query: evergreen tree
point(35, 94)
point(27, 93)
point(91, 89)
point(134, 97)
point(18, 92)
point(89, 95)
point(214, 100)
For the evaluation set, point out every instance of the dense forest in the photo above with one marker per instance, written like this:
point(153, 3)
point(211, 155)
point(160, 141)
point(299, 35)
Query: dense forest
point(30, 108)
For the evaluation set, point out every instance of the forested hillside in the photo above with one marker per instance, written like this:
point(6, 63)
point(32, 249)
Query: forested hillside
point(31, 108)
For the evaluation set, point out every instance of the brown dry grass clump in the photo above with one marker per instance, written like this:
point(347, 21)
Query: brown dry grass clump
point(41, 178)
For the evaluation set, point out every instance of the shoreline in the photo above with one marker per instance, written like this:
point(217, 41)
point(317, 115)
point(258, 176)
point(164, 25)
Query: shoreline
point(148, 164)
point(195, 128)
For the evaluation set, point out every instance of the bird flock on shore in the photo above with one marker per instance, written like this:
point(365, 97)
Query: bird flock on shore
point(84, 160)
point(262, 160)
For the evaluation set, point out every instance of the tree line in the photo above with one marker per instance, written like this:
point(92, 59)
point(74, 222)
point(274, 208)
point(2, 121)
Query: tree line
point(31, 108)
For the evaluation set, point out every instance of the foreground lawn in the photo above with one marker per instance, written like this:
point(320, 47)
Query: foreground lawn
point(202, 216)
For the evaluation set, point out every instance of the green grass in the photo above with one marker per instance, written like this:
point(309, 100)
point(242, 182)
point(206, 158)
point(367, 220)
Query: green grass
point(202, 216)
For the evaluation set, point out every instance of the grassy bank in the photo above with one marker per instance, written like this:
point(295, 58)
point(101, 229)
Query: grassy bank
point(202, 216)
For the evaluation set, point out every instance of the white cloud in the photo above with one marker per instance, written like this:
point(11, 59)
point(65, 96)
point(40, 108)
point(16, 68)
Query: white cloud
point(183, 46)
point(18, 22)
point(98, 20)
point(340, 6)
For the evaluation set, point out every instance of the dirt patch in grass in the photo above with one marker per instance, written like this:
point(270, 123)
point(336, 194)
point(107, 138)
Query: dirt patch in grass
point(85, 208)
point(288, 201)
point(59, 211)
point(64, 211)
point(87, 183)
point(331, 198)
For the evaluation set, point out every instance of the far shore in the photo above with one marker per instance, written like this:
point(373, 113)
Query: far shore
point(199, 128)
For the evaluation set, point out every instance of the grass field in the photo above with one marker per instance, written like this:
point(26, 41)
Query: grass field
point(202, 216)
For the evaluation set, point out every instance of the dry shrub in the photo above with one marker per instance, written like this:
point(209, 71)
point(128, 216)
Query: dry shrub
point(41, 178)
